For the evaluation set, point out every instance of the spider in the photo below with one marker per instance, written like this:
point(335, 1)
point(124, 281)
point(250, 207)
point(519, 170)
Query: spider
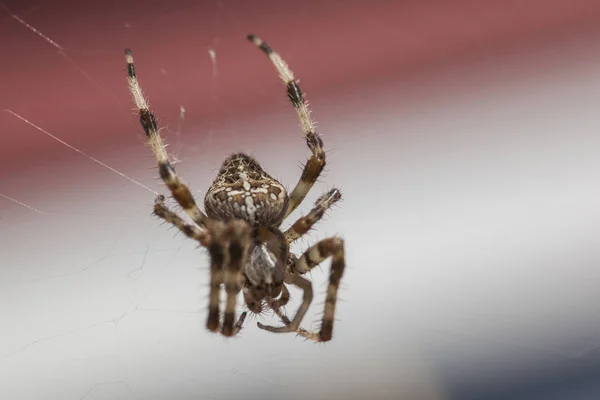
point(245, 207)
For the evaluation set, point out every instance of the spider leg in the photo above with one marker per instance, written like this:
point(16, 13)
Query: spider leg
point(227, 249)
point(331, 247)
point(181, 193)
point(218, 258)
point(238, 240)
point(307, 297)
point(300, 331)
point(278, 304)
point(315, 164)
point(305, 223)
point(190, 231)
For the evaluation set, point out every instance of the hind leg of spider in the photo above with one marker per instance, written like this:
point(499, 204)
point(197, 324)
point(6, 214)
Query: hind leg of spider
point(237, 237)
point(331, 247)
point(219, 257)
point(181, 193)
point(305, 223)
point(191, 231)
point(315, 164)
point(334, 248)
point(227, 248)
point(282, 300)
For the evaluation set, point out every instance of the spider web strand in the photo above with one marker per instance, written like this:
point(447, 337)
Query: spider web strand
point(80, 152)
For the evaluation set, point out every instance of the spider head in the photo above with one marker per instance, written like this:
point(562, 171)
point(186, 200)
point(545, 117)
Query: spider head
point(243, 190)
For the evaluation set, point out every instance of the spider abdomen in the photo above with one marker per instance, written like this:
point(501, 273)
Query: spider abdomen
point(243, 190)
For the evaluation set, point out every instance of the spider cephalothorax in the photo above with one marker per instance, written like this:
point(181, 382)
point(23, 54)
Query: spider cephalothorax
point(244, 208)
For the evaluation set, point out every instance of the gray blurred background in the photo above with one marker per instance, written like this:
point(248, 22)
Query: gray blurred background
point(463, 135)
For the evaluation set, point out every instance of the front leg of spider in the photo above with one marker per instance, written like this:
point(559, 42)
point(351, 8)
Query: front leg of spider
point(315, 164)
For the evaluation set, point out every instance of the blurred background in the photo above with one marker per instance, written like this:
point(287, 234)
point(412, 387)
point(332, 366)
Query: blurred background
point(463, 135)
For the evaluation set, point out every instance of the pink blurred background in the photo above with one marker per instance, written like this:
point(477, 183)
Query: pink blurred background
point(339, 46)
point(409, 95)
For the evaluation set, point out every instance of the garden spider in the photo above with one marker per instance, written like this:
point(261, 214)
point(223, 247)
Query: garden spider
point(244, 208)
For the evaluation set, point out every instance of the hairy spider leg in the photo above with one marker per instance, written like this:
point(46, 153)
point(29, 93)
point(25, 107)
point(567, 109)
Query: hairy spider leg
point(305, 223)
point(191, 231)
point(219, 257)
point(315, 164)
point(238, 240)
point(316, 254)
point(300, 331)
point(226, 261)
point(331, 247)
point(181, 193)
